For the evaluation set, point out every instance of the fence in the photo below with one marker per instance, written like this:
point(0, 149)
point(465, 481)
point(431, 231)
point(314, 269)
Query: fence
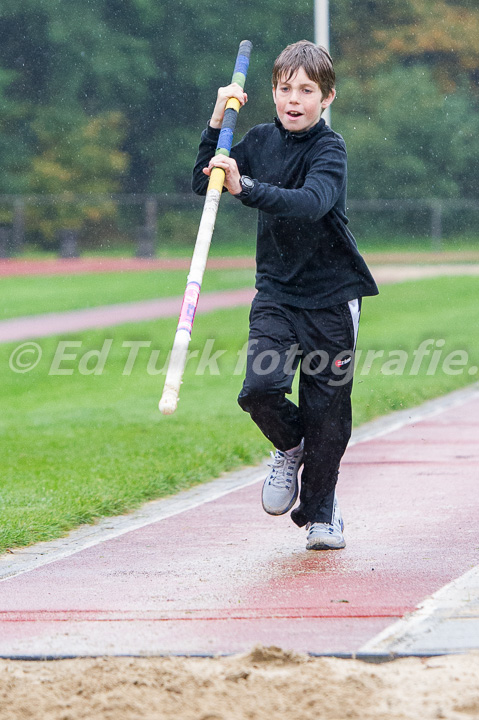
point(14, 234)
point(433, 218)
point(144, 219)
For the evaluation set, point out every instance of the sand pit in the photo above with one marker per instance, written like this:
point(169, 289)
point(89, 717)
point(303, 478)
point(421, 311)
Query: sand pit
point(267, 683)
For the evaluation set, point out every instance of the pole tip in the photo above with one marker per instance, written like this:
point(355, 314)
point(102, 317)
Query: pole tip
point(168, 402)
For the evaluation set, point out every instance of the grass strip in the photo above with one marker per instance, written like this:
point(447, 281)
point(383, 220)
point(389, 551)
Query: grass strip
point(41, 294)
point(80, 444)
point(242, 242)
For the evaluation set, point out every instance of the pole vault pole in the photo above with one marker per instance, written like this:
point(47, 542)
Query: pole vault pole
point(176, 365)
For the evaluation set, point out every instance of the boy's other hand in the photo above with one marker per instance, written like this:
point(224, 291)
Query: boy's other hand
point(224, 94)
point(232, 174)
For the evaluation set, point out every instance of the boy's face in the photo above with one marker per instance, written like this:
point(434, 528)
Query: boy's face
point(299, 102)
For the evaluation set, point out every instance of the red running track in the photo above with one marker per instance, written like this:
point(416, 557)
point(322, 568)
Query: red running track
point(76, 266)
point(223, 576)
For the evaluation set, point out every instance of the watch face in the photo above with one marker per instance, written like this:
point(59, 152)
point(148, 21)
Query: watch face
point(246, 182)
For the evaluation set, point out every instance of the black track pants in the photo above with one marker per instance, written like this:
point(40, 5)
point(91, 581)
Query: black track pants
point(322, 343)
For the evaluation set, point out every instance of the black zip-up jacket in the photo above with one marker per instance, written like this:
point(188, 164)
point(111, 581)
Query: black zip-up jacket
point(305, 256)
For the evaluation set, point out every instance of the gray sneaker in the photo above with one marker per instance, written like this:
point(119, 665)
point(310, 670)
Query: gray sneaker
point(325, 536)
point(280, 488)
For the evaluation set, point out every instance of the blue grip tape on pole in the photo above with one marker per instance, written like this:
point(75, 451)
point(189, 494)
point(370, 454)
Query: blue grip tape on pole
point(242, 64)
point(225, 139)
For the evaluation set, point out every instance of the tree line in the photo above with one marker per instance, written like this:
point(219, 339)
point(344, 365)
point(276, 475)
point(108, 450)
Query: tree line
point(102, 96)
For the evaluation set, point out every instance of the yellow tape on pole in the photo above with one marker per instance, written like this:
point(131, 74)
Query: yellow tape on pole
point(217, 179)
point(234, 104)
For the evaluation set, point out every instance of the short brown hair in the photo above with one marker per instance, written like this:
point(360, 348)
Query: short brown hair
point(314, 59)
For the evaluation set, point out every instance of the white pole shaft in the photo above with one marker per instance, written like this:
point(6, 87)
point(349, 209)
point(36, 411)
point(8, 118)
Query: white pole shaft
point(321, 35)
point(177, 363)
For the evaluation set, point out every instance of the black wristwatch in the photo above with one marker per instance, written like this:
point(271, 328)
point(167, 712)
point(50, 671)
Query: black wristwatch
point(247, 184)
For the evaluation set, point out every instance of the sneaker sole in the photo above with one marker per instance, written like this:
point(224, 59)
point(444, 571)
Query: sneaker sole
point(320, 545)
point(282, 512)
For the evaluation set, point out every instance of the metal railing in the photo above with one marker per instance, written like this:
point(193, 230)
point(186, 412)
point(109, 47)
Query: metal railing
point(408, 214)
point(436, 208)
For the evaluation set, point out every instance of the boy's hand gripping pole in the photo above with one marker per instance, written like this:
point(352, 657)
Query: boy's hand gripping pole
point(176, 366)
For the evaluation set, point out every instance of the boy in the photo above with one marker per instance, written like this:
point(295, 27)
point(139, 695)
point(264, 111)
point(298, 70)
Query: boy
point(310, 280)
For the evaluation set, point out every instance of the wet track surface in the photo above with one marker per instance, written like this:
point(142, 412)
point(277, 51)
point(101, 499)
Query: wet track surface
point(223, 576)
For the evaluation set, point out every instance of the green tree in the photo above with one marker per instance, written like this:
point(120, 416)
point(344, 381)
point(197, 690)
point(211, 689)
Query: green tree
point(406, 70)
point(368, 36)
point(69, 70)
point(408, 139)
point(193, 47)
point(14, 154)
point(75, 157)
point(159, 65)
point(441, 34)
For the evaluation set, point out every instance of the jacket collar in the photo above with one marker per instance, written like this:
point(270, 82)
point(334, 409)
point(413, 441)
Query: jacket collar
point(299, 136)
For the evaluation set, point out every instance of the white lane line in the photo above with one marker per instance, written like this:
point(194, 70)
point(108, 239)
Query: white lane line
point(27, 559)
point(426, 629)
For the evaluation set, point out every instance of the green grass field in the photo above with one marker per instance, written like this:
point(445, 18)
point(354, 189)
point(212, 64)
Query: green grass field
point(34, 294)
point(367, 243)
point(79, 446)
point(242, 243)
